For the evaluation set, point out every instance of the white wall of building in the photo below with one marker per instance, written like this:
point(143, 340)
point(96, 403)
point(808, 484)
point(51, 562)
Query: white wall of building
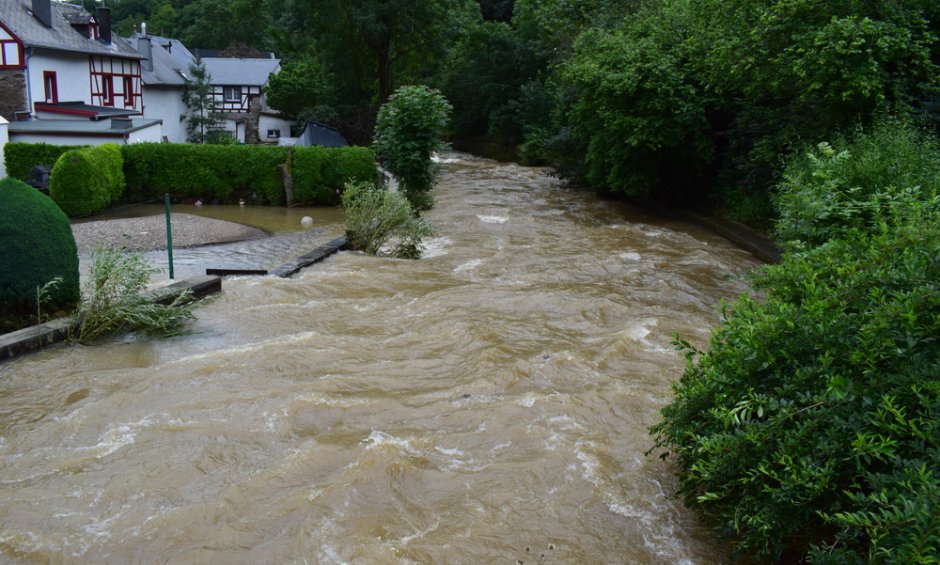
point(166, 103)
point(4, 137)
point(267, 123)
point(151, 134)
point(72, 76)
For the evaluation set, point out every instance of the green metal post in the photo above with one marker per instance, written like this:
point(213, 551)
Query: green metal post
point(169, 234)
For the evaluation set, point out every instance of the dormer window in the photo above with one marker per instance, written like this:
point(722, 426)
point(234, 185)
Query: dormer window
point(232, 93)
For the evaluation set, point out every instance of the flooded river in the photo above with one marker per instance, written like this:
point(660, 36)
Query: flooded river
point(486, 404)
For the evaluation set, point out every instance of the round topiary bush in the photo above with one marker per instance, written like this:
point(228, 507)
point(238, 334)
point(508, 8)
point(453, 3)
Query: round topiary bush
point(38, 247)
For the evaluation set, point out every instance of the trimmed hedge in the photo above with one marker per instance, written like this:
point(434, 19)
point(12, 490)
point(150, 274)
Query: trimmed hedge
point(210, 172)
point(320, 173)
point(20, 158)
point(87, 180)
point(38, 246)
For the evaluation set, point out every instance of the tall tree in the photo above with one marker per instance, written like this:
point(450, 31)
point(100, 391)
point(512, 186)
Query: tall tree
point(203, 111)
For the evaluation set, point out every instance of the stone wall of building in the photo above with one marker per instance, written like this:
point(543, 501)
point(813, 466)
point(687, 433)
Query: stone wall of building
point(12, 93)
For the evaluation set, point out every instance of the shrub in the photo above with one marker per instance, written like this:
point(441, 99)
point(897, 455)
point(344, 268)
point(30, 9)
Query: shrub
point(320, 173)
point(849, 184)
point(376, 217)
point(38, 247)
point(407, 132)
point(87, 180)
point(211, 172)
point(113, 300)
point(811, 426)
point(22, 157)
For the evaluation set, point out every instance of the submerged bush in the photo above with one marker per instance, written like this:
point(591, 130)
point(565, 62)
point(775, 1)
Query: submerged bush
point(382, 221)
point(408, 131)
point(113, 300)
point(38, 247)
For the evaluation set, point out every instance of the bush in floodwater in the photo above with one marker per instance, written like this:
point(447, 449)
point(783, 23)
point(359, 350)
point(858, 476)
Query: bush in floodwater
point(113, 300)
point(408, 131)
point(376, 217)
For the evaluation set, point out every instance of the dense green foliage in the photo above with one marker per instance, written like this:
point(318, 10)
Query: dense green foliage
point(321, 173)
point(380, 221)
point(20, 158)
point(849, 184)
point(222, 173)
point(407, 133)
point(113, 300)
point(87, 180)
point(811, 425)
point(38, 247)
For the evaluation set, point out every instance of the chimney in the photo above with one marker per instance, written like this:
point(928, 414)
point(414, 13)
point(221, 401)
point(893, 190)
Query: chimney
point(145, 48)
point(121, 123)
point(42, 11)
point(104, 24)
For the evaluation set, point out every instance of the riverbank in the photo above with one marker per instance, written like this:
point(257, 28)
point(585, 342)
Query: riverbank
point(149, 233)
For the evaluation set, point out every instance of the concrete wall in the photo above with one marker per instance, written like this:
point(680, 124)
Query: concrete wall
point(4, 137)
point(166, 103)
point(146, 135)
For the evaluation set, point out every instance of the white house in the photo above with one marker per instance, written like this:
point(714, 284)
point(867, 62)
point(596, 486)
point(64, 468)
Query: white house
point(238, 88)
point(65, 79)
point(164, 67)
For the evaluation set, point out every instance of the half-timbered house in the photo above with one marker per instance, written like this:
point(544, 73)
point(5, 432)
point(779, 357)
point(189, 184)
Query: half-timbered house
point(60, 62)
point(238, 88)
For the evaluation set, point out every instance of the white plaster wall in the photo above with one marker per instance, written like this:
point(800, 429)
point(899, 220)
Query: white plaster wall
point(150, 134)
point(166, 103)
point(4, 137)
point(72, 76)
point(62, 139)
point(273, 122)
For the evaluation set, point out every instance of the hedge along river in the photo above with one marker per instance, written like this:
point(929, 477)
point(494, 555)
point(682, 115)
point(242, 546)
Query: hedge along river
point(488, 403)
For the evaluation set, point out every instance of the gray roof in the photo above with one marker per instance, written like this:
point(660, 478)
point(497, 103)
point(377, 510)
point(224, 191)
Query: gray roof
point(241, 72)
point(175, 48)
point(17, 15)
point(105, 128)
point(168, 70)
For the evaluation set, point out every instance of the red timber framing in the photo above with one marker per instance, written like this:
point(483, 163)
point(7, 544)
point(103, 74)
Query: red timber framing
point(11, 50)
point(115, 82)
point(228, 104)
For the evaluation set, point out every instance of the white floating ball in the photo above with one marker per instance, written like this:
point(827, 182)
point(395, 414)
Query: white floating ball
point(307, 221)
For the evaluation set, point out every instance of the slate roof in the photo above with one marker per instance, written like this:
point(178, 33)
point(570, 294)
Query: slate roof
point(241, 72)
point(175, 49)
point(17, 15)
point(168, 70)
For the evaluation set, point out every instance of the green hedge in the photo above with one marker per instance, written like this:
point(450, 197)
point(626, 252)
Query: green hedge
point(20, 158)
point(320, 173)
point(210, 172)
point(38, 246)
point(87, 180)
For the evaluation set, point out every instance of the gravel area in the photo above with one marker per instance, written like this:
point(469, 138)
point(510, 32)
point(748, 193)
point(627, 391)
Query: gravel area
point(149, 233)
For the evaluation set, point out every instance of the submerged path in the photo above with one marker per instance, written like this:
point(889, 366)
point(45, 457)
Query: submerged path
point(485, 404)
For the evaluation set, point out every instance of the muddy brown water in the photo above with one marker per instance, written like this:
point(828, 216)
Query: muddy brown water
point(486, 404)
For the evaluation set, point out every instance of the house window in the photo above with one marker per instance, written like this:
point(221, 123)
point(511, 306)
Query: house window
point(50, 87)
point(11, 53)
point(107, 90)
point(274, 133)
point(129, 93)
point(232, 93)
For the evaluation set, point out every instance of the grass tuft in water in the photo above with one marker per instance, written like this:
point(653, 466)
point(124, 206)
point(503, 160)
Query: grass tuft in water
point(113, 300)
